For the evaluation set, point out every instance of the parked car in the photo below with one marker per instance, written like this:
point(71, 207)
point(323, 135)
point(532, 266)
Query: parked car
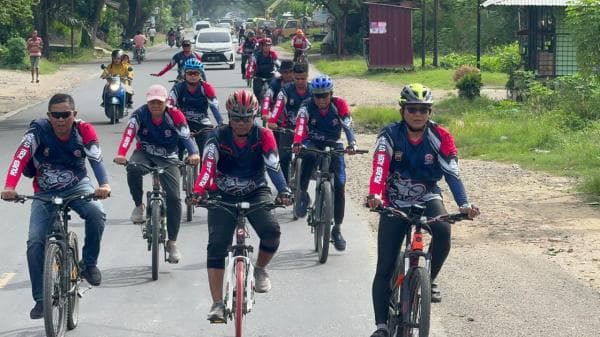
point(216, 47)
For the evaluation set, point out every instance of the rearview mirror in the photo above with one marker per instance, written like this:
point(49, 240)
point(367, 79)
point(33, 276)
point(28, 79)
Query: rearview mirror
point(102, 66)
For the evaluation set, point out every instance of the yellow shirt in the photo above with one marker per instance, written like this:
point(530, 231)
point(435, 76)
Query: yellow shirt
point(117, 70)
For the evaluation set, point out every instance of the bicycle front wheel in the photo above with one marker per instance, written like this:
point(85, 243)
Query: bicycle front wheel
point(191, 173)
point(155, 225)
point(323, 230)
point(295, 183)
point(73, 292)
point(55, 301)
point(419, 303)
point(240, 281)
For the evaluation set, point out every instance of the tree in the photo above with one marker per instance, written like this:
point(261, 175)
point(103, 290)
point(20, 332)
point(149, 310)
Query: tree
point(15, 19)
point(584, 24)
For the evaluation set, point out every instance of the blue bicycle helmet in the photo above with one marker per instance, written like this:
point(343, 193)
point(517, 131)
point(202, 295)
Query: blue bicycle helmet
point(193, 64)
point(321, 85)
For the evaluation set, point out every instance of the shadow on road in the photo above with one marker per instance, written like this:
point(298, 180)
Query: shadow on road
point(126, 276)
point(294, 259)
point(25, 332)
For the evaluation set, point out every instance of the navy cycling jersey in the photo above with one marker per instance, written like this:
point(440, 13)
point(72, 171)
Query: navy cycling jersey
point(406, 172)
point(289, 101)
point(324, 125)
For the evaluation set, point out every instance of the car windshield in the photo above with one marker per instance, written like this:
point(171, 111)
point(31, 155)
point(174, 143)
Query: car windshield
point(214, 37)
point(202, 25)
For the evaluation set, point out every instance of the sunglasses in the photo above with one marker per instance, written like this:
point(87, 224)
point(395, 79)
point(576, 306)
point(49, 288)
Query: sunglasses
point(321, 96)
point(60, 114)
point(414, 110)
point(186, 45)
point(193, 73)
point(239, 119)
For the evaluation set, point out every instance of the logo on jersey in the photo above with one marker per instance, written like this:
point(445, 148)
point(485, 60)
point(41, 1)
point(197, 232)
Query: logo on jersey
point(145, 132)
point(46, 152)
point(168, 133)
point(77, 153)
point(428, 159)
point(335, 122)
point(398, 155)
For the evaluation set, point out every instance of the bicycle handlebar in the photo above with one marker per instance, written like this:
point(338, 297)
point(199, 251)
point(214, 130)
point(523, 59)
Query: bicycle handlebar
point(246, 206)
point(157, 169)
point(394, 212)
point(56, 200)
point(331, 151)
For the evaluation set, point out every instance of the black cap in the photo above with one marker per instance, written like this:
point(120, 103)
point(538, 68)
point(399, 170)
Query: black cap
point(286, 65)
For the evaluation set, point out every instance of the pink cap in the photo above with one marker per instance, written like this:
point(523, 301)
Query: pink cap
point(157, 92)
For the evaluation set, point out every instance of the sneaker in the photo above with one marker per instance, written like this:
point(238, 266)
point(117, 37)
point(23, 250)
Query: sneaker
point(301, 205)
point(436, 295)
point(92, 274)
point(137, 215)
point(174, 254)
point(38, 310)
point(262, 283)
point(37, 81)
point(380, 333)
point(338, 240)
point(217, 313)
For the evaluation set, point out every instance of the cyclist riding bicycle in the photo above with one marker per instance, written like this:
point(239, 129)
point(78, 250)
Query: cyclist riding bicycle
point(233, 166)
point(158, 130)
point(53, 153)
point(247, 48)
point(285, 111)
point(411, 156)
point(179, 59)
point(118, 68)
point(319, 123)
point(300, 44)
point(194, 97)
point(287, 76)
point(262, 65)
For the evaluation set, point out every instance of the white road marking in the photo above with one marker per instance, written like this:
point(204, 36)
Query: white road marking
point(6, 277)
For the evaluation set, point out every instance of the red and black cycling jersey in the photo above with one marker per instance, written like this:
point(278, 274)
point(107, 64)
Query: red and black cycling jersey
point(179, 60)
point(289, 101)
point(56, 163)
point(238, 169)
point(324, 125)
point(195, 103)
point(157, 137)
point(262, 65)
point(406, 172)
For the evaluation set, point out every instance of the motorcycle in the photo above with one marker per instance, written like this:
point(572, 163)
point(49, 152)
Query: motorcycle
point(139, 54)
point(127, 44)
point(115, 97)
point(171, 40)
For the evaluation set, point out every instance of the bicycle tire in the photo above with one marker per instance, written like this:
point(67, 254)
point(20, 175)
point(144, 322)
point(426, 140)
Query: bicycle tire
point(395, 307)
point(191, 174)
point(155, 224)
point(55, 305)
point(240, 281)
point(419, 303)
point(325, 221)
point(73, 272)
point(297, 191)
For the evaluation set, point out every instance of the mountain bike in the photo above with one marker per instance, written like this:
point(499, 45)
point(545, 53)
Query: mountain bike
point(410, 300)
point(154, 228)
point(294, 170)
point(189, 175)
point(62, 273)
point(239, 270)
point(320, 213)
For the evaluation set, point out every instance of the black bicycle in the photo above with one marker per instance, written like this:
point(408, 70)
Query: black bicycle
point(239, 271)
point(294, 170)
point(189, 175)
point(154, 228)
point(320, 213)
point(410, 300)
point(62, 273)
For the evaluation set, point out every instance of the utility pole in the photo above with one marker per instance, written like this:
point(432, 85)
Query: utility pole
point(478, 34)
point(436, 4)
point(423, 34)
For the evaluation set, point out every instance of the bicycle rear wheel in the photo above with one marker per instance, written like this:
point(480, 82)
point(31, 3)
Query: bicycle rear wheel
point(155, 225)
point(419, 303)
point(55, 301)
point(73, 293)
point(240, 281)
point(323, 230)
point(295, 182)
point(191, 173)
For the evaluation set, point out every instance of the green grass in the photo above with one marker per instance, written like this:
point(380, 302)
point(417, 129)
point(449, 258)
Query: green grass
point(507, 132)
point(434, 78)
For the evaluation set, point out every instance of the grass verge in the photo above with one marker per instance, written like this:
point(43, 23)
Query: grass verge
point(507, 132)
point(434, 78)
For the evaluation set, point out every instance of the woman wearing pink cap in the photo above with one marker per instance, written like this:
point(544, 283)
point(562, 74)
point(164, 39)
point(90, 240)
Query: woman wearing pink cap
point(157, 129)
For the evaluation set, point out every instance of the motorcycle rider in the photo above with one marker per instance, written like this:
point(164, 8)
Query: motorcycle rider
point(247, 48)
point(285, 110)
point(300, 44)
point(157, 129)
point(411, 156)
point(287, 76)
point(262, 66)
point(194, 97)
point(139, 40)
point(320, 122)
point(179, 59)
point(118, 68)
point(179, 36)
point(53, 153)
point(233, 167)
point(171, 37)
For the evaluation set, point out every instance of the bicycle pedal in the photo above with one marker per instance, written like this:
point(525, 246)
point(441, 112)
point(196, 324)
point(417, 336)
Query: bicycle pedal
point(217, 321)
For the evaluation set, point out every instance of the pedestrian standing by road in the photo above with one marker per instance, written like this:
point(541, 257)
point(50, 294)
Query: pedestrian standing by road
point(53, 153)
point(35, 45)
point(411, 156)
point(158, 130)
point(152, 34)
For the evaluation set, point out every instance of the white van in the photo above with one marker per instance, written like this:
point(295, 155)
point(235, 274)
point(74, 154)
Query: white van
point(201, 25)
point(215, 46)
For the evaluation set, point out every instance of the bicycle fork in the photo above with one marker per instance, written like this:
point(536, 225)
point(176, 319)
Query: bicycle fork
point(231, 290)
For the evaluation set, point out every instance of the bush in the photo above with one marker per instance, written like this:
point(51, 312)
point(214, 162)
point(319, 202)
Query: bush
point(468, 81)
point(508, 56)
point(518, 84)
point(16, 52)
point(579, 96)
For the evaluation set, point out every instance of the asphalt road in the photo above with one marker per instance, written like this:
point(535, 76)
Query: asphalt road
point(489, 289)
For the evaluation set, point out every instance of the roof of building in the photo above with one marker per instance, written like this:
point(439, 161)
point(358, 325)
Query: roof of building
point(557, 3)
